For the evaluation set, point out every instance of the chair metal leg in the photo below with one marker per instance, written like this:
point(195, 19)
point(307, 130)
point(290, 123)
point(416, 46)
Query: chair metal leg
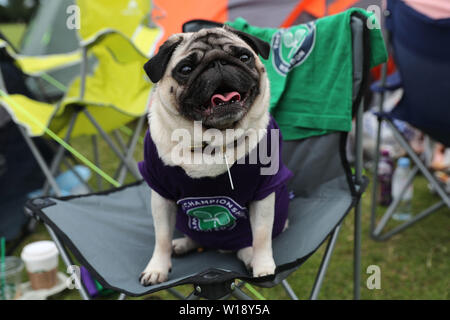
point(119, 140)
point(192, 296)
point(68, 262)
point(60, 153)
point(358, 181)
point(130, 166)
point(324, 264)
point(393, 206)
point(239, 294)
point(97, 161)
point(409, 223)
point(41, 162)
point(289, 290)
point(357, 253)
point(377, 152)
point(176, 294)
point(131, 147)
point(375, 180)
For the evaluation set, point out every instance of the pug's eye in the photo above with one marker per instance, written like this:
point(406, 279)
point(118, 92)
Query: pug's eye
point(244, 58)
point(185, 70)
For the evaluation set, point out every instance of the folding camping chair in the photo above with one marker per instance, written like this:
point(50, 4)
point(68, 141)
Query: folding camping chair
point(115, 247)
point(82, 83)
point(51, 47)
point(110, 92)
point(424, 65)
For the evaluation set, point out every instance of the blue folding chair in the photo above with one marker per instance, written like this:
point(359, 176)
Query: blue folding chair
point(422, 54)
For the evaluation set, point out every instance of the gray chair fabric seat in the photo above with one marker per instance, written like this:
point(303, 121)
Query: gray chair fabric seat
point(112, 233)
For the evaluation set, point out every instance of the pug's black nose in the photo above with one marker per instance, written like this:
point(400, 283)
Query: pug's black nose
point(216, 63)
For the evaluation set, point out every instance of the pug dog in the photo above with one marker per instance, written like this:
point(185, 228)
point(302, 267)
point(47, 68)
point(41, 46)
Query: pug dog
point(208, 82)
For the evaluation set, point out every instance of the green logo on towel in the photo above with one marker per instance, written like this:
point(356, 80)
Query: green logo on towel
point(212, 213)
point(292, 46)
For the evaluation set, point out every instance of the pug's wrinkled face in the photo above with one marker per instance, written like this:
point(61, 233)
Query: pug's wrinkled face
point(215, 74)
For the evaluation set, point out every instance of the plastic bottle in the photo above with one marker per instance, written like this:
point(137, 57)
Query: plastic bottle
point(68, 182)
point(385, 171)
point(399, 180)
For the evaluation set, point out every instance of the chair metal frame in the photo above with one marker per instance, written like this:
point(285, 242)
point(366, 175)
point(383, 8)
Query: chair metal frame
point(378, 230)
point(124, 151)
point(235, 289)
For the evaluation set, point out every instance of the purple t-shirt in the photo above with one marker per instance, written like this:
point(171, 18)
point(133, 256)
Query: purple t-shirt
point(209, 211)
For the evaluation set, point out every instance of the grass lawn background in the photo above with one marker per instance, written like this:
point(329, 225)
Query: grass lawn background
point(414, 264)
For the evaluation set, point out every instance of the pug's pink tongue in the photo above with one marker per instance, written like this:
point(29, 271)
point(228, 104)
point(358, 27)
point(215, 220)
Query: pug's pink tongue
point(218, 98)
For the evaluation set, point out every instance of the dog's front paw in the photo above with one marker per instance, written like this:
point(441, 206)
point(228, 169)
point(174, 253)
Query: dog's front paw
point(263, 266)
point(157, 271)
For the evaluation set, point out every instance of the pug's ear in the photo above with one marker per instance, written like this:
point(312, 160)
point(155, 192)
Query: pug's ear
point(259, 46)
point(156, 66)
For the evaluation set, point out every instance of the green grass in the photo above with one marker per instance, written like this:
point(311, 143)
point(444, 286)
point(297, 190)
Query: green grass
point(414, 264)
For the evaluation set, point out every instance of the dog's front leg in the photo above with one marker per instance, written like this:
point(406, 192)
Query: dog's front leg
point(261, 219)
point(164, 213)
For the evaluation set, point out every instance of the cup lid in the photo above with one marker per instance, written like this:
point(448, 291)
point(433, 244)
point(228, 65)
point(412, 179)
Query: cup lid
point(39, 250)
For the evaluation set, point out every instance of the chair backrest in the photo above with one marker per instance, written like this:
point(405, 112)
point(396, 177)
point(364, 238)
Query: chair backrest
point(325, 155)
point(49, 33)
point(319, 163)
point(422, 55)
point(124, 16)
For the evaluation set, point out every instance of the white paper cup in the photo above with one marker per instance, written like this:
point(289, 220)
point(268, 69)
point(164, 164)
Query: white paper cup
point(41, 262)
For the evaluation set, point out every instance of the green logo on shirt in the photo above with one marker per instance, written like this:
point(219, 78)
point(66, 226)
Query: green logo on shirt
point(212, 213)
point(292, 46)
point(212, 218)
